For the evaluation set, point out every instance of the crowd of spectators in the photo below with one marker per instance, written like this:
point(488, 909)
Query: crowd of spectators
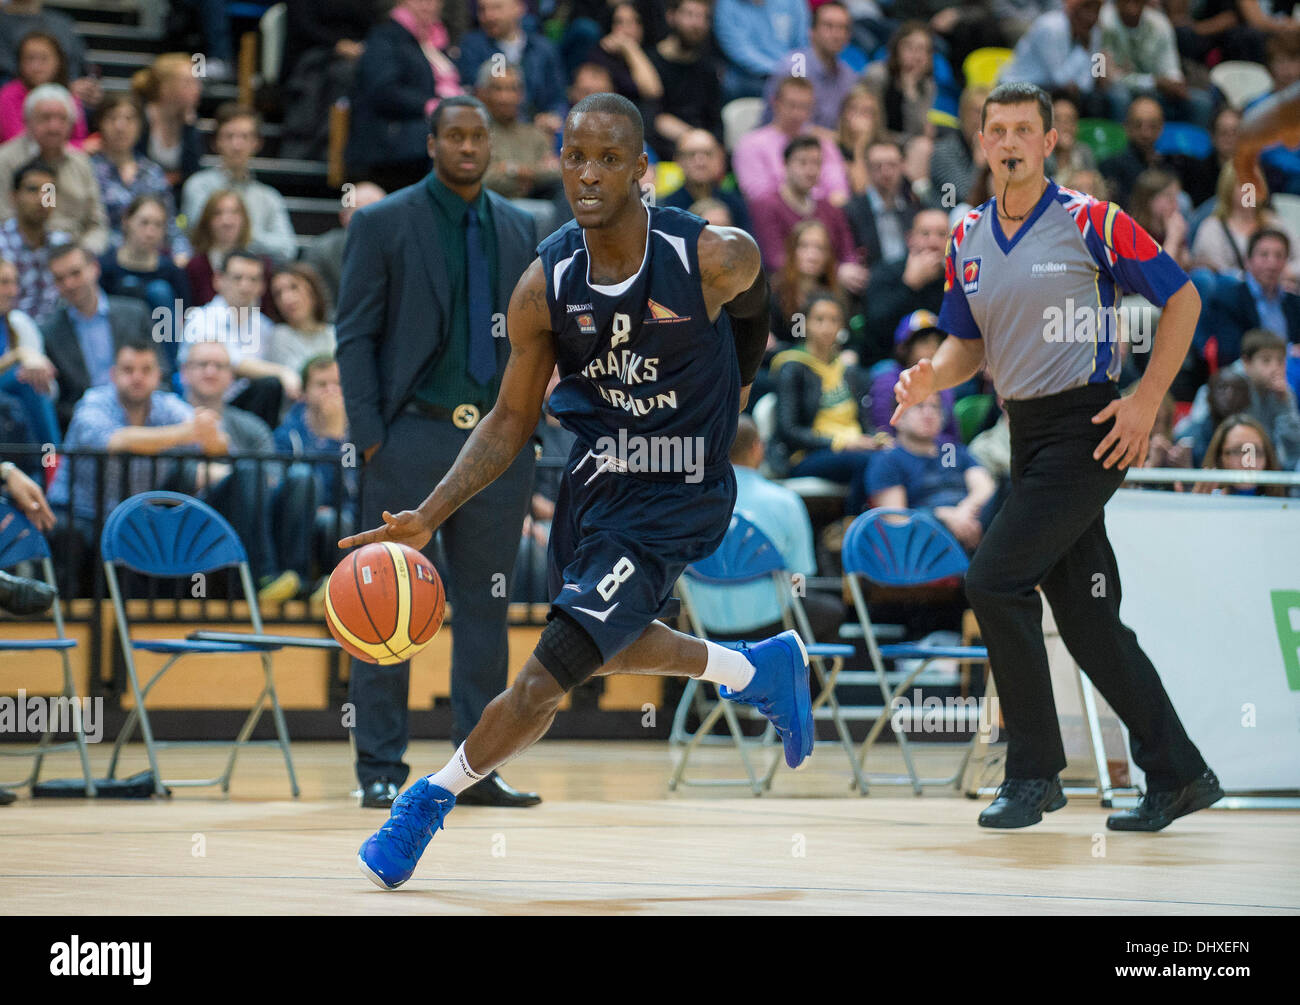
point(157, 306)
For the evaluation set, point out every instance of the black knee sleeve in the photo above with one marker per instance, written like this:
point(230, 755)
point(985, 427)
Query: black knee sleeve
point(567, 651)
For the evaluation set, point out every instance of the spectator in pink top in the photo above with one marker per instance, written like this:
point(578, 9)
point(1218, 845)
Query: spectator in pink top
point(40, 61)
point(759, 160)
point(775, 215)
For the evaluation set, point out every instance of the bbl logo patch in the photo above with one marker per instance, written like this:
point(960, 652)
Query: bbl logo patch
point(586, 325)
point(970, 275)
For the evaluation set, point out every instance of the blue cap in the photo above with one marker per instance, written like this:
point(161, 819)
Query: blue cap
point(913, 324)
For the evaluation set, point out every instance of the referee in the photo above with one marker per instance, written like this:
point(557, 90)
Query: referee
point(1031, 279)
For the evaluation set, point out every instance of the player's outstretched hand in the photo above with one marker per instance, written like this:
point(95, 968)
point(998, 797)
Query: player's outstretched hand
point(915, 384)
point(1129, 438)
point(406, 527)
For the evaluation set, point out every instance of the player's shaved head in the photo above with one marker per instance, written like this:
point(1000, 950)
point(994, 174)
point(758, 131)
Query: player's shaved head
point(616, 106)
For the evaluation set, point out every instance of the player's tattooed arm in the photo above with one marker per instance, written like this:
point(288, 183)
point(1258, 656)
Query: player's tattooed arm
point(497, 440)
point(733, 279)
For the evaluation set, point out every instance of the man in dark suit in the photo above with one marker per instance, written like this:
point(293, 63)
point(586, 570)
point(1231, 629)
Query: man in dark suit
point(881, 216)
point(1233, 307)
point(905, 285)
point(86, 328)
point(427, 277)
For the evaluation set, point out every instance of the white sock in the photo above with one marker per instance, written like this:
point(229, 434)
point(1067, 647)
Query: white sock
point(457, 776)
point(727, 666)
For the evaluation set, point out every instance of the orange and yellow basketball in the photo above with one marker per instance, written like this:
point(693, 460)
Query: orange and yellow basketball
point(384, 603)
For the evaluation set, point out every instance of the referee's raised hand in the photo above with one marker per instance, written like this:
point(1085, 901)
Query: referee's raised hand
point(915, 384)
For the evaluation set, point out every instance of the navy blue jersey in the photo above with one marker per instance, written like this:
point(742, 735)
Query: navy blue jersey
point(641, 359)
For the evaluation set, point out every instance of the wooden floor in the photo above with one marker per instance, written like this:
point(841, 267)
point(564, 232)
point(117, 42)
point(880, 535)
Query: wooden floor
point(610, 839)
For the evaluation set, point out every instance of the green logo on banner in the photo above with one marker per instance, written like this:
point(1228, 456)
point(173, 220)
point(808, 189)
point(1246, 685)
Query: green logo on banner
point(1286, 613)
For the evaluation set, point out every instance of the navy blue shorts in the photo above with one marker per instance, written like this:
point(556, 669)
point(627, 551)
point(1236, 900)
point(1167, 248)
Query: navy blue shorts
point(619, 543)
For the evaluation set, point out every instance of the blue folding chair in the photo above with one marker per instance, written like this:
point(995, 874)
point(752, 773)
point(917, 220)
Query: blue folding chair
point(747, 555)
point(20, 541)
point(899, 547)
point(1185, 138)
point(169, 535)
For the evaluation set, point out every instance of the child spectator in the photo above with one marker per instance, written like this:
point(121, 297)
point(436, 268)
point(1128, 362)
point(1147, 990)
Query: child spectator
point(40, 61)
point(809, 266)
point(1240, 444)
point(917, 337)
point(918, 473)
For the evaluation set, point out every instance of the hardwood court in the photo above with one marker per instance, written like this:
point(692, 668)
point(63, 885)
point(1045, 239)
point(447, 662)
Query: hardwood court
point(610, 839)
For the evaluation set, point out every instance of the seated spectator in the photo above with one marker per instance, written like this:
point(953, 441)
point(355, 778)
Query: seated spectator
point(1143, 59)
point(809, 267)
point(917, 151)
point(958, 29)
point(305, 333)
point(49, 114)
point(233, 318)
point(860, 125)
point(704, 165)
point(776, 215)
point(402, 75)
point(822, 63)
point(903, 286)
point(1235, 306)
point(325, 253)
point(237, 141)
point(130, 414)
point(170, 91)
point(84, 331)
point(1143, 126)
point(758, 160)
point(26, 373)
point(501, 32)
point(882, 215)
point(753, 38)
point(1069, 157)
point(241, 491)
point(124, 174)
point(917, 337)
point(1165, 449)
point(821, 407)
point(40, 61)
point(1091, 183)
point(1272, 403)
point(323, 43)
point(713, 212)
point(20, 19)
point(1057, 54)
point(26, 496)
point(1213, 30)
point(753, 610)
point(904, 82)
point(1223, 236)
point(316, 425)
point(1153, 204)
point(958, 159)
point(1240, 444)
point(1269, 21)
point(689, 70)
point(1227, 393)
point(919, 473)
point(222, 227)
point(27, 238)
point(524, 166)
point(621, 52)
point(138, 268)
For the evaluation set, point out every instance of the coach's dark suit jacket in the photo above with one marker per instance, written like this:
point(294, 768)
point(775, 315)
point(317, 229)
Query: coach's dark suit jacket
point(1229, 311)
point(392, 299)
point(128, 318)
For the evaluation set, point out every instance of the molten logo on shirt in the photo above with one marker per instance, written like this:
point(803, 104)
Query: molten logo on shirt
point(970, 275)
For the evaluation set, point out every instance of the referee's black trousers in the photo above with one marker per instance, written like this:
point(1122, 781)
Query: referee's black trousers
point(1051, 532)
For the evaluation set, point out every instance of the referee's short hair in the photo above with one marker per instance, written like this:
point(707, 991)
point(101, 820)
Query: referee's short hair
point(1017, 93)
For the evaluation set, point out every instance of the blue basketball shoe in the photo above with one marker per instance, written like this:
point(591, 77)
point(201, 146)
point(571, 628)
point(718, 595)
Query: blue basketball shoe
point(779, 689)
point(390, 855)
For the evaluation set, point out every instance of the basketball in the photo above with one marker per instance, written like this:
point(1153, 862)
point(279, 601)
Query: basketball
point(384, 603)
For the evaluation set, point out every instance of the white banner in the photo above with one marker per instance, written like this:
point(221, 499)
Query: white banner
point(1211, 585)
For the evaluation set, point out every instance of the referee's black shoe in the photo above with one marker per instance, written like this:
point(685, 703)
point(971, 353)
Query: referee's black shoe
point(1021, 802)
point(1158, 809)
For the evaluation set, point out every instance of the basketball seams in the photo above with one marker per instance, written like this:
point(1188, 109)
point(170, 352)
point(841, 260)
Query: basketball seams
point(435, 611)
point(400, 645)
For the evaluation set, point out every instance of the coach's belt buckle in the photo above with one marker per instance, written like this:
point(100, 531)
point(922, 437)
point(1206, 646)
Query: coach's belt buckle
point(465, 416)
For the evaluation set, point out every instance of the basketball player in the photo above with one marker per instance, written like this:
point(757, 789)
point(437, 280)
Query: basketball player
point(1276, 119)
point(658, 323)
point(1031, 277)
